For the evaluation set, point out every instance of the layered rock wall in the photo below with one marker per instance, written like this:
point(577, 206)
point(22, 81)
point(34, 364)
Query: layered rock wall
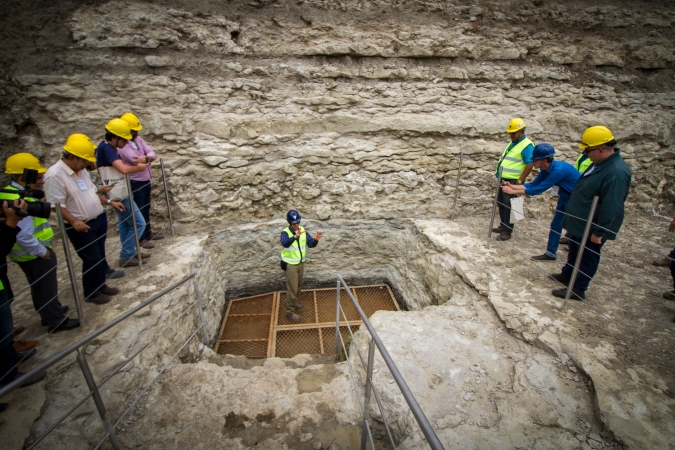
point(343, 109)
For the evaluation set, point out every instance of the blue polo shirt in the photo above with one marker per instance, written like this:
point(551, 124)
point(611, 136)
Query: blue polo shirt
point(106, 154)
point(559, 173)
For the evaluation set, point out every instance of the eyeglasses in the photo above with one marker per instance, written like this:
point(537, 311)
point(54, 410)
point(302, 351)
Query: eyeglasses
point(589, 150)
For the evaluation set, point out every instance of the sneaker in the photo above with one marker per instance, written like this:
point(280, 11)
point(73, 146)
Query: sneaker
point(665, 262)
point(299, 307)
point(503, 237)
point(25, 356)
point(32, 380)
point(560, 278)
point(669, 295)
point(100, 299)
point(107, 290)
point(111, 273)
point(576, 294)
point(543, 257)
point(67, 324)
point(147, 244)
point(155, 237)
point(22, 346)
point(294, 318)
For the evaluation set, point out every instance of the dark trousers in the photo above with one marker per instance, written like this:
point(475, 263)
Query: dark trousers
point(44, 288)
point(142, 199)
point(90, 247)
point(504, 203)
point(8, 287)
point(590, 261)
point(7, 352)
point(671, 255)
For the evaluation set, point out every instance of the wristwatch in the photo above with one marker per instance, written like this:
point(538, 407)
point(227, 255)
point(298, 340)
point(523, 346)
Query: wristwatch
point(147, 160)
point(109, 200)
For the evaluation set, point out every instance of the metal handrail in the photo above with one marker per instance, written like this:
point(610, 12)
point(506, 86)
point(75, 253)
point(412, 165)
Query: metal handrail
point(420, 417)
point(87, 339)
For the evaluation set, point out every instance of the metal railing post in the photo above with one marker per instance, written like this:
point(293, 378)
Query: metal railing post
point(459, 171)
point(201, 311)
point(98, 400)
point(337, 321)
point(366, 401)
point(166, 195)
point(494, 207)
point(69, 263)
point(133, 220)
point(582, 246)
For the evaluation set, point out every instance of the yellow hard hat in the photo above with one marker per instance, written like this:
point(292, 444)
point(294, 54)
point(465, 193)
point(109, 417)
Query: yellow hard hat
point(16, 163)
point(515, 125)
point(120, 128)
point(81, 146)
point(595, 136)
point(133, 121)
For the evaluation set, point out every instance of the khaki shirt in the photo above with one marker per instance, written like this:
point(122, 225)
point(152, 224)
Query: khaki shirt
point(73, 191)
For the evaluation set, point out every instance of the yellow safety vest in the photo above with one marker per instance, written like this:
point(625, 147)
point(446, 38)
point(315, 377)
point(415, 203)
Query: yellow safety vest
point(43, 231)
point(511, 160)
point(581, 167)
point(295, 254)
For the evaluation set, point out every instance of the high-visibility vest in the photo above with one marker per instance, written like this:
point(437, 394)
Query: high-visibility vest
point(511, 161)
point(43, 231)
point(295, 254)
point(582, 163)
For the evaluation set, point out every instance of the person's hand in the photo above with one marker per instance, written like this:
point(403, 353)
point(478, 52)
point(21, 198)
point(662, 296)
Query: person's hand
point(298, 233)
point(318, 235)
point(47, 255)
point(80, 226)
point(596, 239)
point(12, 219)
point(142, 165)
point(118, 206)
point(138, 160)
point(105, 189)
point(671, 227)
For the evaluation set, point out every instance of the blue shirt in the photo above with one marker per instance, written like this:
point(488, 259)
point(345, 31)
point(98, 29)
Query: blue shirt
point(526, 155)
point(287, 241)
point(106, 154)
point(559, 173)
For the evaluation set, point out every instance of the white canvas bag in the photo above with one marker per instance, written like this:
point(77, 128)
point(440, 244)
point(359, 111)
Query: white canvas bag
point(113, 177)
point(517, 212)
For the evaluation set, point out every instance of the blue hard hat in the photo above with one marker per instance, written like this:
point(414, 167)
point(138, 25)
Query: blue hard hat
point(543, 151)
point(293, 217)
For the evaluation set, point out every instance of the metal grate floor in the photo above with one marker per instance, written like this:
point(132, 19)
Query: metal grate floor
point(257, 328)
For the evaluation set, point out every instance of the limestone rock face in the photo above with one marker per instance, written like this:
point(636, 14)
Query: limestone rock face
point(342, 109)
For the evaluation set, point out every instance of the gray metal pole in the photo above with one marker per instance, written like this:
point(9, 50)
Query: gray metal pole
point(166, 195)
point(582, 246)
point(98, 401)
point(133, 221)
point(201, 311)
point(421, 419)
point(69, 263)
point(337, 321)
point(459, 171)
point(494, 207)
point(366, 401)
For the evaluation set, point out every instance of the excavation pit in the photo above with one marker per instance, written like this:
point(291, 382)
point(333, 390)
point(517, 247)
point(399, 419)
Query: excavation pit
point(256, 327)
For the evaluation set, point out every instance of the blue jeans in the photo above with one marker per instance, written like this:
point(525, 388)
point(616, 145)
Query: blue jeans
point(142, 193)
point(7, 353)
point(590, 261)
point(126, 226)
point(556, 228)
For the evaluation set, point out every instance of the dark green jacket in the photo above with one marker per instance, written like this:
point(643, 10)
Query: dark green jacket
point(610, 181)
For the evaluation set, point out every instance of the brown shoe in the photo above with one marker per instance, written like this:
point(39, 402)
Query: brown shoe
point(497, 230)
point(294, 318)
point(147, 244)
point(145, 255)
point(669, 295)
point(18, 330)
point(564, 241)
point(101, 299)
point(665, 262)
point(22, 346)
point(110, 290)
point(131, 262)
point(503, 237)
point(155, 237)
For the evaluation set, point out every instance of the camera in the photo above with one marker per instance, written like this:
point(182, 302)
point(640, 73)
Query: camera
point(35, 208)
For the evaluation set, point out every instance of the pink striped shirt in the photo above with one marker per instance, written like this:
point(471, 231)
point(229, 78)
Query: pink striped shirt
point(134, 149)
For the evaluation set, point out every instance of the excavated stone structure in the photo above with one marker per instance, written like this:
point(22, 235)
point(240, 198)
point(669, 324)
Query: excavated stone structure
point(356, 114)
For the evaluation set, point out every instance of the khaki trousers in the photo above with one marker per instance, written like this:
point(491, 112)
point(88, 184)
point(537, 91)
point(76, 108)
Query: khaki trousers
point(294, 274)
